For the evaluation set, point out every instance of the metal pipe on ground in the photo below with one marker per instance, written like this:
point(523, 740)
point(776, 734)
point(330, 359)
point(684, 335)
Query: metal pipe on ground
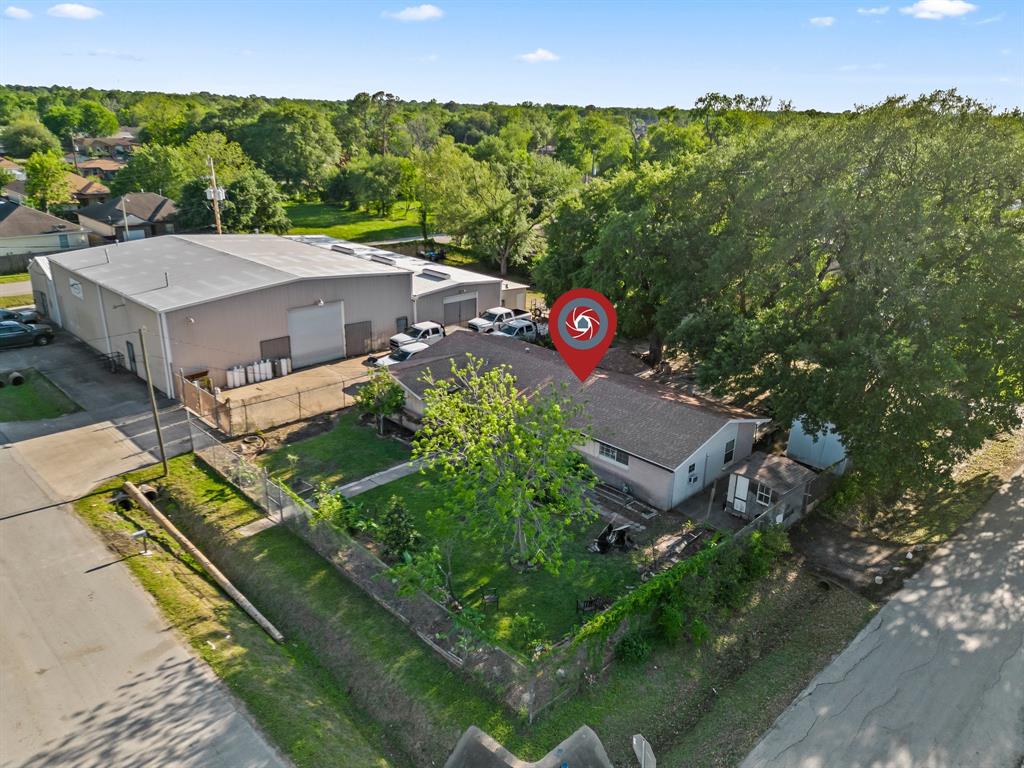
point(243, 602)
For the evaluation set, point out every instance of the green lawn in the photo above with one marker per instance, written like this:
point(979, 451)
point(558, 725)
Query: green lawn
point(481, 564)
point(37, 398)
point(703, 707)
point(359, 226)
point(19, 277)
point(346, 453)
point(21, 300)
point(294, 699)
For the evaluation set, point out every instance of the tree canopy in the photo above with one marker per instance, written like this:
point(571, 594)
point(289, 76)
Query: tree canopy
point(46, 180)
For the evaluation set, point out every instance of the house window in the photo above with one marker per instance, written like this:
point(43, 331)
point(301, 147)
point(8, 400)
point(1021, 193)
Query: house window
point(692, 469)
point(612, 453)
point(730, 451)
point(764, 494)
point(63, 241)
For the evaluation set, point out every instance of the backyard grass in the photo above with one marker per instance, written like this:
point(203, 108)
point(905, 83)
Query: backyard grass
point(480, 564)
point(293, 698)
point(702, 707)
point(21, 300)
point(19, 277)
point(357, 225)
point(348, 452)
point(37, 398)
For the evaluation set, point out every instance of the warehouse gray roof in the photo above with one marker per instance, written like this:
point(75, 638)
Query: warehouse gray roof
point(427, 277)
point(202, 268)
point(658, 424)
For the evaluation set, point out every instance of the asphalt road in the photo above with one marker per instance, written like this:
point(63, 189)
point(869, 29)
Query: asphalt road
point(936, 680)
point(90, 673)
point(16, 289)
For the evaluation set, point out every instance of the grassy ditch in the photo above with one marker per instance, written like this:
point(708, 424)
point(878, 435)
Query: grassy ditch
point(37, 398)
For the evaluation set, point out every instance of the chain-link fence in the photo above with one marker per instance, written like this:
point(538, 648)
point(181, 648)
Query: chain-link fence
point(234, 415)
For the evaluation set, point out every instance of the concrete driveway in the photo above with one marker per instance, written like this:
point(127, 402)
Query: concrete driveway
point(90, 673)
point(936, 680)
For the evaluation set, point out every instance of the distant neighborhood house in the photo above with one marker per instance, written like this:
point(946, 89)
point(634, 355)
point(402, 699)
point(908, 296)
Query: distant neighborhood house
point(84, 191)
point(664, 445)
point(26, 232)
point(133, 216)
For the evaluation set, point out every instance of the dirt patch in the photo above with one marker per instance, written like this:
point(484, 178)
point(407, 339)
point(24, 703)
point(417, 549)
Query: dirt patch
point(854, 559)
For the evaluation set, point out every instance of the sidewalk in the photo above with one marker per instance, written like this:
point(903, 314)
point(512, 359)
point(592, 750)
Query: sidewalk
point(381, 478)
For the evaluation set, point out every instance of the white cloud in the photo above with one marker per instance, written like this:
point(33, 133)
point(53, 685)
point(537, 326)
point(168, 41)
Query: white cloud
point(74, 11)
point(14, 12)
point(535, 57)
point(822, 21)
point(938, 9)
point(879, 11)
point(425, 12)
point(111, 53)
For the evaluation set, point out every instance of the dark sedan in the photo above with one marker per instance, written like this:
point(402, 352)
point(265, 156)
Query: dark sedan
point(16, 334)
point(20, 315)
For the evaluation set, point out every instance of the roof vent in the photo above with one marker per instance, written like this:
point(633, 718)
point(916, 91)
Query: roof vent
point(436, 273)
point(382, 259)
point(344, 249)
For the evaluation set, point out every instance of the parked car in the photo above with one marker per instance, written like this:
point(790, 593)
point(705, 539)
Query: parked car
point(523, 329)
point(489, 321)
point(20, 315)
point(17, 334)
point(401, 354)
point(428, 333)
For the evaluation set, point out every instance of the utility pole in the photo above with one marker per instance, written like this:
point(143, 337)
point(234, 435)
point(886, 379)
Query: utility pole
point(124, 219)
point(152, 399)
point(74, 150)
point(214, 195)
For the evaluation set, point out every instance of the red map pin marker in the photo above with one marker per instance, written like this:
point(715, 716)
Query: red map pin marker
point(582, 325)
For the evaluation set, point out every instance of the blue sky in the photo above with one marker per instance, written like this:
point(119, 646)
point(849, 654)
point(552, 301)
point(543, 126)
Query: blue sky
point(819, 54)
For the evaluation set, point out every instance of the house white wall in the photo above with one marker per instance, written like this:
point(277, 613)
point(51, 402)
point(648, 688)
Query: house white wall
point(50, 242)
point(646, 481)
point(709, 459)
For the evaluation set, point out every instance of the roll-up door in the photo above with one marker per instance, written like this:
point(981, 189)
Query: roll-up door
point(459, 312)
point(317, 333)
point(359, 338)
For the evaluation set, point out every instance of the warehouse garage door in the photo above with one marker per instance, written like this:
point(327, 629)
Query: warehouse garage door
point(459, 310)
point(358, 338)
point(317, 333)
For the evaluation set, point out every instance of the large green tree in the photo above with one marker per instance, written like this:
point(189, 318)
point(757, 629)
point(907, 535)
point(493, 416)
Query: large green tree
point(95, 119)
point(26, 137)
point(252, 203)
point(296, 145)
point(508, 462)
point(46, 180)
point(167, 169)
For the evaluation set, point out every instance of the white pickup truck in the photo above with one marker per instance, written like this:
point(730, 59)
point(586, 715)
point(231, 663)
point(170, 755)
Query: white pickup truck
point(523, 329)
point(428, 333)
point(401, 354)
point(489, 321)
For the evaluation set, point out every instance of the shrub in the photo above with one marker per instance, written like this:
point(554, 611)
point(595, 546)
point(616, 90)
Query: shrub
point(671, 623)
point(337, 511)
point(699, 632)
point(633, 647)
point(763, 549)
point(525, 632)
point(396, 532)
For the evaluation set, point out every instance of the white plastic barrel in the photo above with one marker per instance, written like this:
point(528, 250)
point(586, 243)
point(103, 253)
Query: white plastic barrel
point(268, 371)
point(250, 374)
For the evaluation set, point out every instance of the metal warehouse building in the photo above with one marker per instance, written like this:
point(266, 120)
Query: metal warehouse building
point(440, 293)
point(211, 302)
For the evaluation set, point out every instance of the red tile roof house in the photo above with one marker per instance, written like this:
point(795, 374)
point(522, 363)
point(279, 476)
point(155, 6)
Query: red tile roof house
point(665, 445)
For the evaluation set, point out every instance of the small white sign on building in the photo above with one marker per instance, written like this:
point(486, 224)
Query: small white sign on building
point(76, 287)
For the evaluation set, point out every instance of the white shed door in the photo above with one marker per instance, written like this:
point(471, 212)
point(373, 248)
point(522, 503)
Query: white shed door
point(739, 501)
point(317, 333)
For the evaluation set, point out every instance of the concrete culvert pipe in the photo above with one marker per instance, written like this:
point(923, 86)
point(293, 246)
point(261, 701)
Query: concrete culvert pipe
point(15, 379)
point(149, 492)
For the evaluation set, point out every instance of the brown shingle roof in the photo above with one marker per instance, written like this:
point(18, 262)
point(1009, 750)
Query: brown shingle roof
point(83, 186)
point(102, 164)
point(20, 220)
point(657, 424)
point(777, 472)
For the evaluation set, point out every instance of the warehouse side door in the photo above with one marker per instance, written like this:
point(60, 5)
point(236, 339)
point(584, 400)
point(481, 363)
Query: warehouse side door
point(317, 333)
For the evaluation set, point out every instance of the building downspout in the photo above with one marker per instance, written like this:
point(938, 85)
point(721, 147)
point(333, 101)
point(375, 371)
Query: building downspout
point(103, 316)
point(165, 345)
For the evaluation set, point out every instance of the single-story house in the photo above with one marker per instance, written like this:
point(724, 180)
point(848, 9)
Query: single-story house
point(440, 293)
point(211, 302)
point(821, 450)
point(664, 445)
point(26, 232)
point(103, 167)
point(133, 216)
point(115, 147)
point(84, 191)
point(762, 481)
point(12, 168)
